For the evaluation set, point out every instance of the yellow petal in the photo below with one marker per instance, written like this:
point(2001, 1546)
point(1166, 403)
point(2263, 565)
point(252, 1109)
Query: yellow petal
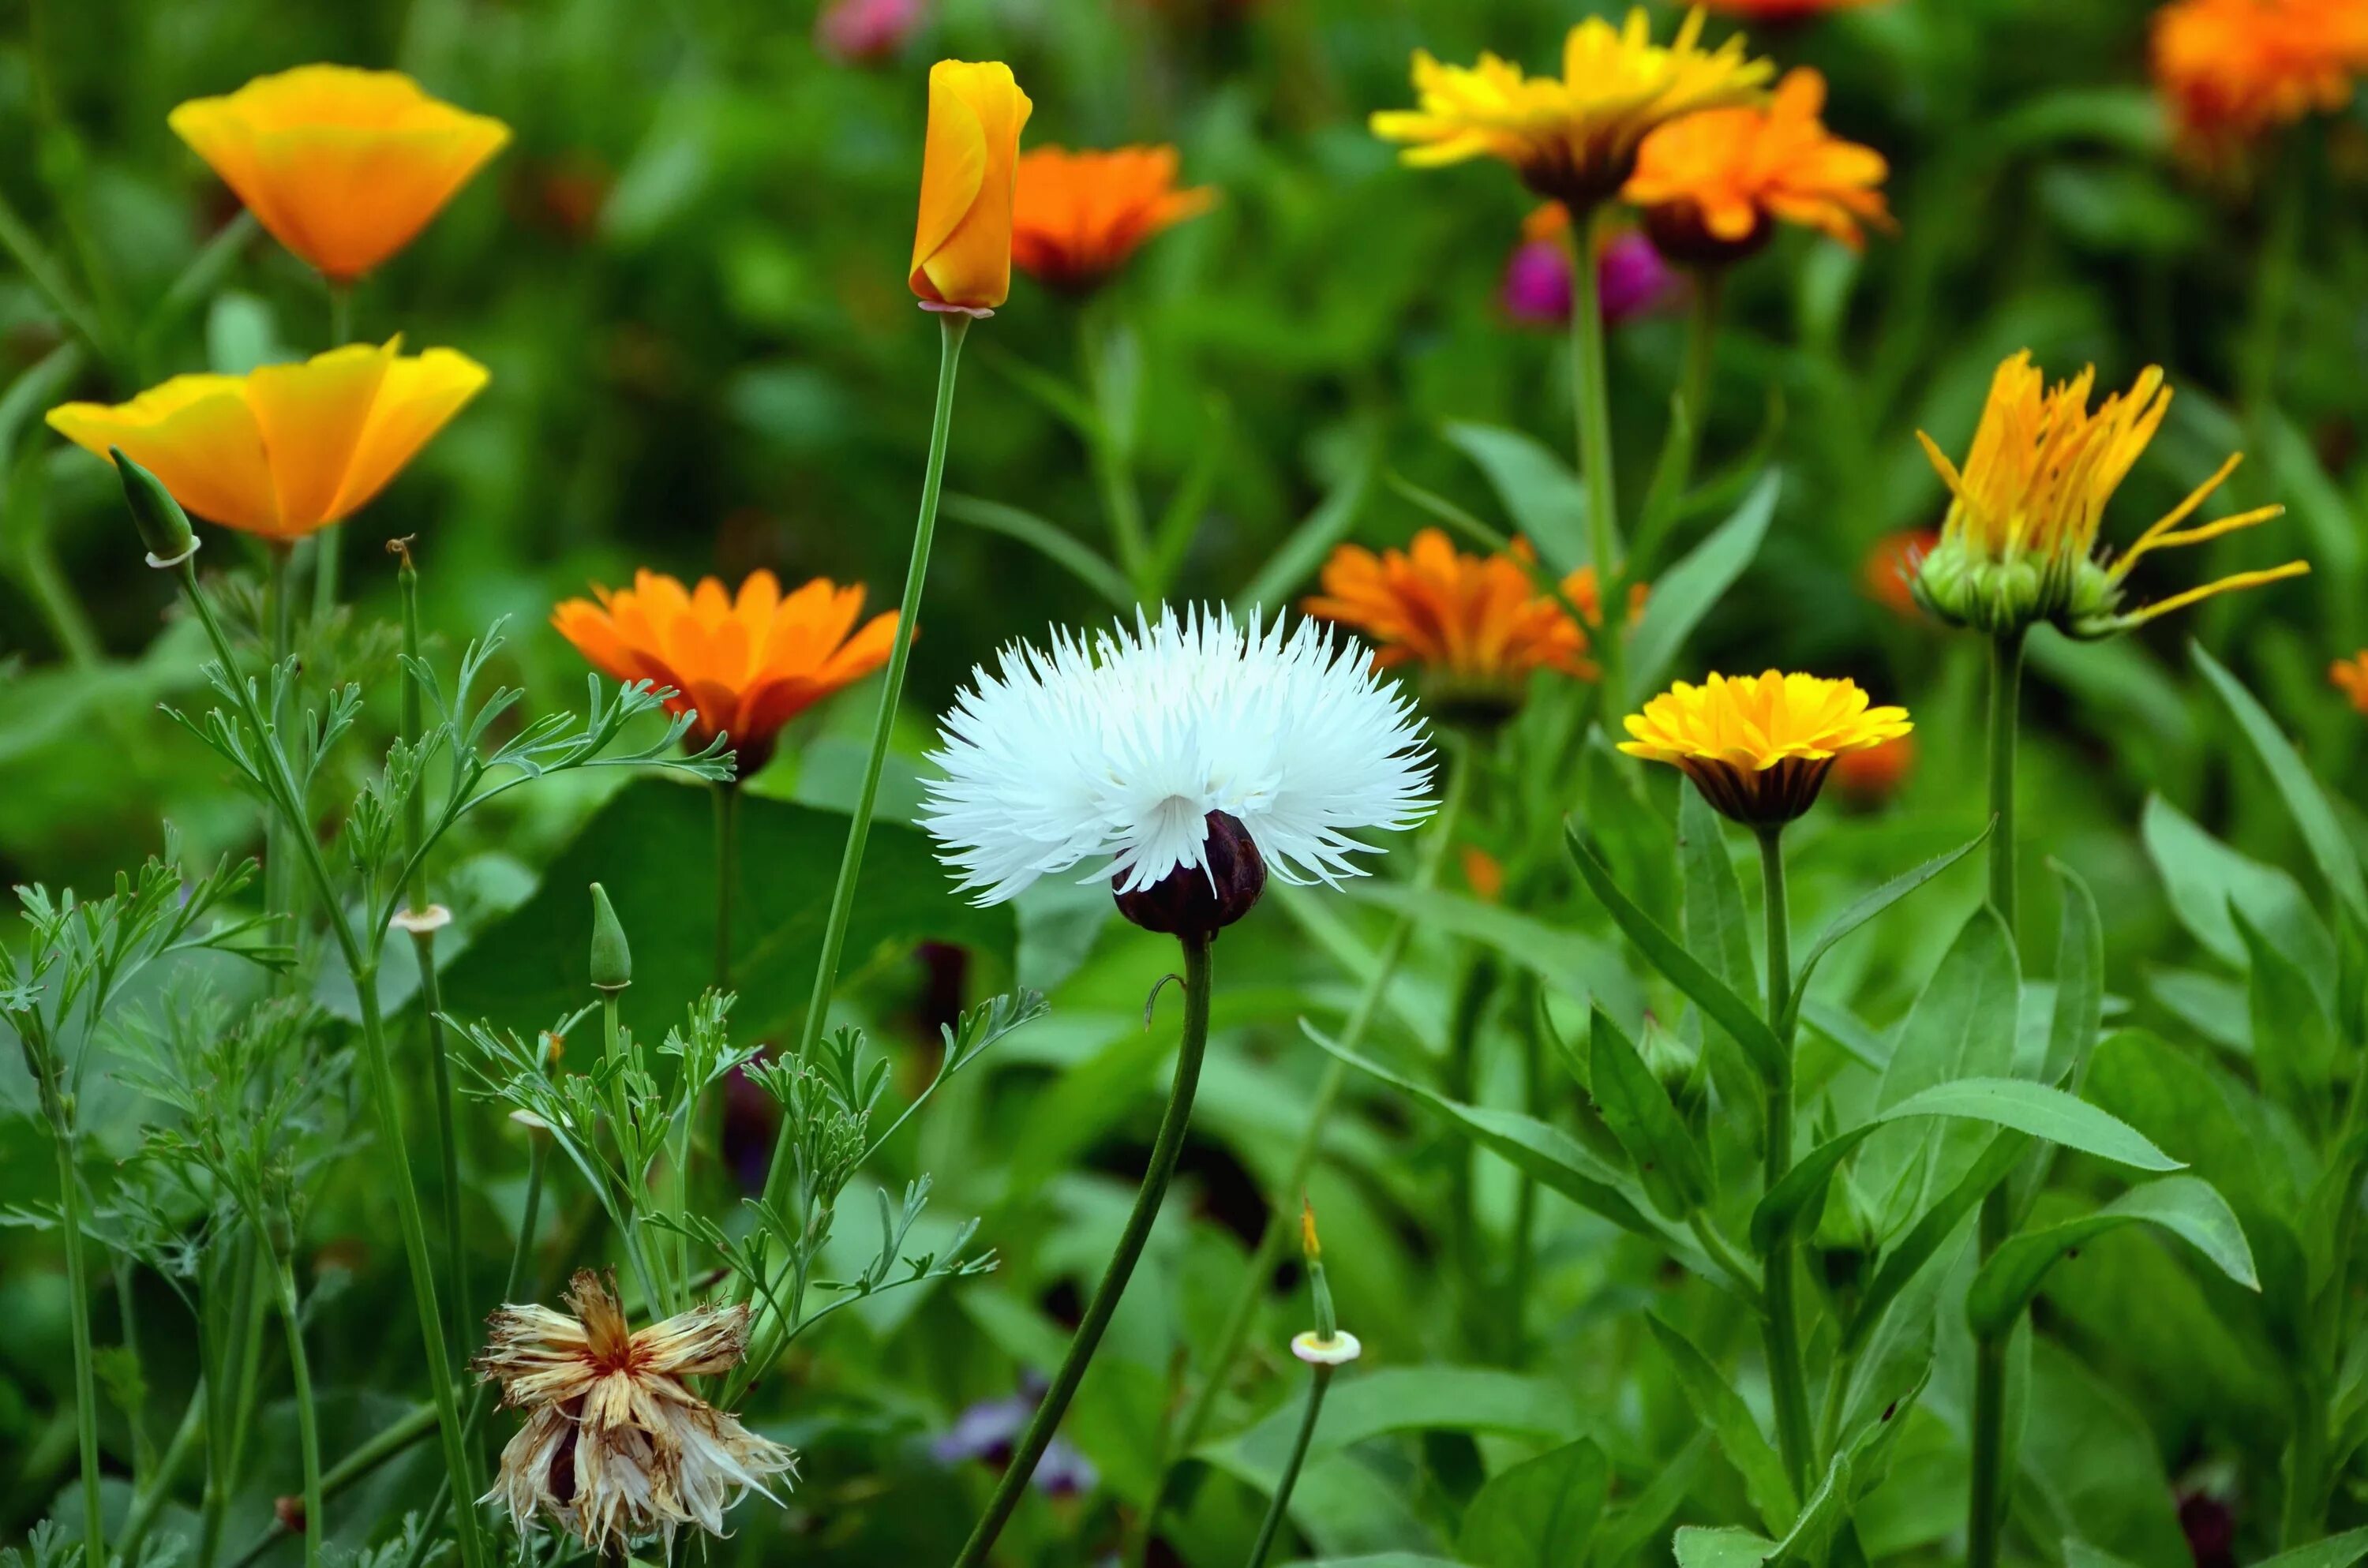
point(197, 435)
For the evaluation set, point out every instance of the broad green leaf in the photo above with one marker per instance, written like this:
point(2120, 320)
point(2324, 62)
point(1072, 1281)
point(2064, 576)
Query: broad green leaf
point(1684, 594)
point(1711, 994)
point(1720, 1409)
point(2187, 1207)
point(1874, 904)
point(2335, 1552)
point(1049, 540)
point(1540, 1513)
point(2295, 1048)
point(1718, 931)
point(2080, 1008)
point(651, 847)
point(2013, 1103)
point(1907, 1258)
point(2089, 1465)
point(1408, 1399)
point(2079, 1553)
point(1641, 1520)
point(1299, 556)
point(1540, 492)
point(2207, 879)
point(1638, 1112)
point(1963, 1026)
point(1725, 1547)
point(2338, 860)
point(1544, 1152)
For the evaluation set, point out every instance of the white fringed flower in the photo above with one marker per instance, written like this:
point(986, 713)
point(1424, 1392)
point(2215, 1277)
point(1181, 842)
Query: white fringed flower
point(616, 1448)
point(1112, 753)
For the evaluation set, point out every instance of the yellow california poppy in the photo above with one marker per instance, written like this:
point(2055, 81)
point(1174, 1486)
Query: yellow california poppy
point(1759, 746)
point(962, 245)
point(343, 167)
point(285, 450)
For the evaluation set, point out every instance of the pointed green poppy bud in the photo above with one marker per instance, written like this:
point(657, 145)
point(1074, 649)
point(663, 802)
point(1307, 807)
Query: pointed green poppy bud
point(612, 960)
point(163, 526)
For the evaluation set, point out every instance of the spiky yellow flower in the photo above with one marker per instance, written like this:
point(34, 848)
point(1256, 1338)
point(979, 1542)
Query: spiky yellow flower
point(1573, 138)
point(2019, 544)
point(616, 1448)
point(1713, 185)
point(2351, 676)
point(1759, 746)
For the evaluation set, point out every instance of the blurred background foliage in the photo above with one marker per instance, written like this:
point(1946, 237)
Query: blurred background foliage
point(687, 277)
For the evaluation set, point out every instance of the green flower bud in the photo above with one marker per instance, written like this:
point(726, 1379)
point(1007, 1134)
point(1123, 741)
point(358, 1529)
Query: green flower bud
point(163, 526)
point(612, 958)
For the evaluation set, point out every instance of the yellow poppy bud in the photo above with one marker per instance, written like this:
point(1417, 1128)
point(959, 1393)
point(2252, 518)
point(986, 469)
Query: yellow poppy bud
point(285, 450)
point(961, 248)
point(343, 167)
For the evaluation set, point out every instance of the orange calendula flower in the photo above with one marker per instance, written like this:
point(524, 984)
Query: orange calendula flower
point(2020, 542)
point(970, 166)
point(284, 450)
point(1759, 746)
point(1870, 776)
point(1482, 873)
point(2232, 70)
point(1714, 184)
point(1575, 137)
point(343, 167)
point(2351, 676)
point(746, 665)
point(1477, 625)
point(1078, 216)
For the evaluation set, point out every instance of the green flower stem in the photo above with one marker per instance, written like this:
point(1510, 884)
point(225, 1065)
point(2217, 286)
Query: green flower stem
point(1986, 1494)
point(1281, 1214)
point(308, 1431)
point(953, 326)
point(280, 853)
point(1156, 1176)
point(1316, 1385)
point(1674, 472)
point(727, 839)
point(254, 1303)
point(1780, 1305)
point(423, 950)
point(167, 1469)
point(223, 1308)
point(379, 1069)
point(612, 1044)
point(1514, 1319)
point(1591, 395)
point(1113, 466)
point(93, 1529)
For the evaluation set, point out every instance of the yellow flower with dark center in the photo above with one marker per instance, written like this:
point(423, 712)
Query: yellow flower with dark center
point(1574, 137)
point(1478, 626)
point(1714, 184)
point(969, 162)
point(284, 450)
point(2020, 542)
point(1758, 747)
point(2350, 678)
point(743, 665)
point(343, 167)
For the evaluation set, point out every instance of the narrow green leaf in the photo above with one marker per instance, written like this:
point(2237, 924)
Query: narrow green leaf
point(2335, 1552)
point(1628, 1528)
point(2079, 984)
point(2205, 878)
point(1963, 1026)
point(1903, 1261)
point(2338, 860)
point(2187, 1207)
point(1686, 593)
point(1540, 492)
point(1726, 1546)
point(1720, 1408)
point(1717, 930)
point(1874, 904)
point(1540, 1513)
point(2295, 1048)
point(1711, 995)
point(1638, 1112)
point(1049, 540)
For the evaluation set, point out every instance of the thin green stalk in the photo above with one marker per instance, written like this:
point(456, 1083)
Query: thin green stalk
point(1316, 1386)
point(308, 1431)
point(1519, 1271)
point(1986, 1494)
point(327, 541)
point(379, 1069)
point(1113, 469)
point(253, 1301)
point(93, 1529)
point(1674, 472)
point(167, 1469)
point(280, 853)
point(1279, 1214)
point(423, 920)
point(1156, 1176)
point(1788, 1382)
point(612, 1045)
point(1591, 397)
point(727, 835)
point(219, 1309)
point(954, 327)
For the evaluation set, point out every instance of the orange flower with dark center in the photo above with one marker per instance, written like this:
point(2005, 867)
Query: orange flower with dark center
point(2232, 70)
point(343, 167)
point(1713, 185)
point(1478, 625)
point(746, 665)
point(2351, 676)
point(1078, 216)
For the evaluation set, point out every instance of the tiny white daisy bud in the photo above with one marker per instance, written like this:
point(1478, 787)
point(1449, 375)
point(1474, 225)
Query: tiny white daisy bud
point(1187, 746)
point(1317, 1351)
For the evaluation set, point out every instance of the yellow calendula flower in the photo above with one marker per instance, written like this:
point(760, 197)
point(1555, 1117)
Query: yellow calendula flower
point(284, 450)
point(961, 247)
point(1759, 746)
point(343, 167)
point(1575, 137)
point(2019, 544)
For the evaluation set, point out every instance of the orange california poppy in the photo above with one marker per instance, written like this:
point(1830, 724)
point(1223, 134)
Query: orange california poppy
point(1078, 216)
point(2350, 676)
point(1713, 185)
point(961, 238)
point(343, 167)
point(746, 665)
point(2232, 70)
point(1477, 625)
point(284, 450)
